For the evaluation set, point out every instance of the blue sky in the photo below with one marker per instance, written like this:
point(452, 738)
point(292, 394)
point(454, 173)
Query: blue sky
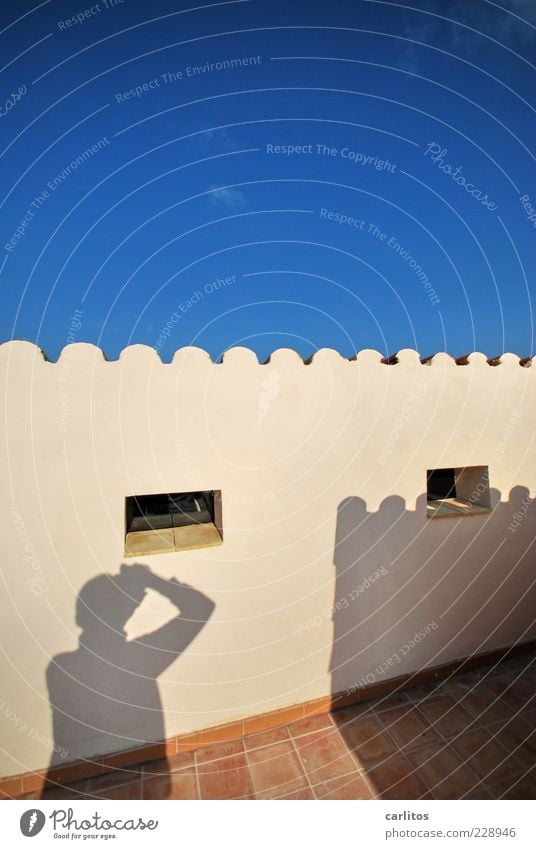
point(353, 174)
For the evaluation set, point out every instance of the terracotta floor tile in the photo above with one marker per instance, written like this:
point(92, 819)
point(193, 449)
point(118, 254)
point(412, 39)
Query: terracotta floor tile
point(509, 677)
point(324, 755)
point(157, 768)
point(177, 785)
point(514, 787)
point(396, 779)
point(158, 787)
point(479, 791)
point(496, 668)
point(472, 676)
point(497, 677)
point(446, 716)
point(367, 739)
point(443, 772)
point(353, 786)
point(529, 674)
point(522, 663)
point(517, 663)
point(310, 724)
point(515, 691)
point(225, 778)
point(524, 789)
point(219, 750)
point(429, 691)
point(485, 706)
point(499, 684)
point(408, 728)
point(529, 716)
point(276, 771)
point(519, 739)
point(266, 738)
point(182, 761)
point(336, 755)
point(519, 697)
point(484, 755)
point(523, 728)
point(390, 701)
point(301, 795)
point(453, 688)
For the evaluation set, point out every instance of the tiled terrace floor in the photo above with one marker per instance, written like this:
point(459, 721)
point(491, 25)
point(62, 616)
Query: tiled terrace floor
point(472, 737)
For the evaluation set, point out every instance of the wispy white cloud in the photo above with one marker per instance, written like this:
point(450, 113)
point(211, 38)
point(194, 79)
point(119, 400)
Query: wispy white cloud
point(228, 197)
point(214, 141)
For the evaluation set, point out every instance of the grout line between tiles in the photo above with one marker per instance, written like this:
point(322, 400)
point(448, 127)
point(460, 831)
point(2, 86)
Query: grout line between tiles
point(447, 746)
point(250, 776)
point(491, 727)
point(350, 775)
point(306, 774)
point(502, 745)
point(335, 760)
point(197, 781)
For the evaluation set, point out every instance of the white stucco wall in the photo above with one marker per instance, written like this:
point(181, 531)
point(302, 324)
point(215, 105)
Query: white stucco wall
point(306, 456)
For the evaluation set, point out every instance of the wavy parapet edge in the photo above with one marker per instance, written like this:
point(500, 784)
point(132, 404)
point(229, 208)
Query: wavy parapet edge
point(288, 357)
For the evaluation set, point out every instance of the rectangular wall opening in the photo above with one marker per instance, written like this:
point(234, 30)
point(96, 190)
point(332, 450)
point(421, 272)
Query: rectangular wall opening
point(459, 491)
point(177, 521)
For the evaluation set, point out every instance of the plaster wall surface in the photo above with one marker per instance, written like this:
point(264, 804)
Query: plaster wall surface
point(322, 470)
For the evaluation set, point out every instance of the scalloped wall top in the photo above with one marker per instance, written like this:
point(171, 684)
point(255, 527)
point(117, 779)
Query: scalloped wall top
point(246, 356)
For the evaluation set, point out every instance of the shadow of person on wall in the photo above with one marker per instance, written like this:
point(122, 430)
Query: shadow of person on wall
point(104, 696)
